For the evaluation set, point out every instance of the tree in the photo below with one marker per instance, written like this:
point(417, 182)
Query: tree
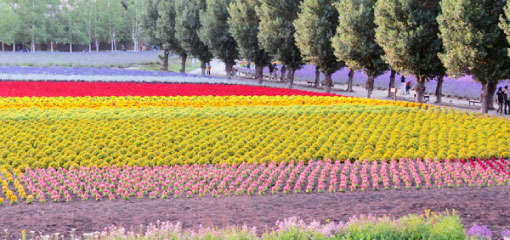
point(166, 31)
point(244, 26)
point(73, 23)
point(187, 24)
point(33, 23)
point(505, 22)
point(55, 23)
point(215, 32)
point(276, 33)
point(135, 11)
point(111, 22)
point(474, 44)
point(92, 24)
point(152, 28)
point(149, 22)
point(9, 24)
point(315, 27)
point(407, 30)
point(355, 40)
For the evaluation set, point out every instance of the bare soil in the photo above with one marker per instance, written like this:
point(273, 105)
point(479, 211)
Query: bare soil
point(482, 206)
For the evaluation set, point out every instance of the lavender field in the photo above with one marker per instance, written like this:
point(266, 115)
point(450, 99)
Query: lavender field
point(75, 59)
point(464, 87)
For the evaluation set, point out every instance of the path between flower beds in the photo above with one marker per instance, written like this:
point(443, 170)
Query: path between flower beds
point(483, 206)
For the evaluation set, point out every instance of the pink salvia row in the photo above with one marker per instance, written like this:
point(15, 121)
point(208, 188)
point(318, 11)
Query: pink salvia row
point(86, 183)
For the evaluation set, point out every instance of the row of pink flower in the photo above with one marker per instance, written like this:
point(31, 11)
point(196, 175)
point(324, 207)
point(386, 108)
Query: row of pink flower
point(214, 180)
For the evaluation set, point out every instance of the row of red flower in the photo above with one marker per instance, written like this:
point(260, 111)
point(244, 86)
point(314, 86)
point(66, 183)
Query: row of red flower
point(79, 89)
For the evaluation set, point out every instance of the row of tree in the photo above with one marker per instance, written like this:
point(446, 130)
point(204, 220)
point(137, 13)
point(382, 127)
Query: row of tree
point(72, 22)
point(425, 38)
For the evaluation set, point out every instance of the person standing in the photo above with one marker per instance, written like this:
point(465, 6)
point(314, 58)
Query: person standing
point(500, 100)
point(209, 69)
point(507, 100)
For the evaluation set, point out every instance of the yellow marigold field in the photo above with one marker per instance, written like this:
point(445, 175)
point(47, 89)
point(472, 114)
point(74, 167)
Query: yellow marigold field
point(60, 132)
point(187, 101)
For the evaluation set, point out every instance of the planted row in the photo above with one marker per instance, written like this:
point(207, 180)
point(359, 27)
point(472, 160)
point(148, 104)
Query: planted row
point(60, 185)
point(42, 138)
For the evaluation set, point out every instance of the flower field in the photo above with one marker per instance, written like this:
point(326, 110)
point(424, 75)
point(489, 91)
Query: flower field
point(102, 89)
point(64, 132)
point(110, 183)
point(180, 140)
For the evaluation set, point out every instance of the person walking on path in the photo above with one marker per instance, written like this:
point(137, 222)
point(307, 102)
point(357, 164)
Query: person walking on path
point(209, 69)
point(275, 72)
point(500, 100)
point(408, 87)
point(507, 100)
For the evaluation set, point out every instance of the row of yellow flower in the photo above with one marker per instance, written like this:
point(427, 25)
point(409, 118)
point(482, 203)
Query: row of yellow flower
point(182, 135)
point(183, 101)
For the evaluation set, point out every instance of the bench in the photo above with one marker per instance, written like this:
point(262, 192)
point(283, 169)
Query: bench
point(426, 98)
point(474, 102)
point(310, 83)
point(247, 74)
point(324, 84)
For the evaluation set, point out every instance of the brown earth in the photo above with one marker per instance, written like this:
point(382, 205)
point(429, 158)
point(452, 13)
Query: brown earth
point(482, 206)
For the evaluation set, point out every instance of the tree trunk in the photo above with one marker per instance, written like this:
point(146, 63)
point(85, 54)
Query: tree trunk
point(165, 60)
point(349, 81)
point(259, 72)
point(184, 57)
point(369, 85)
point(3, 47)
point(317, 77)
point(90, 47)
point(51, 46)
point(32, 44)
point(420, 88)
point(70, 47)
point(492, 90)
point(203, 66)
point(282, 77)
point(13, 46)
point(97, 45)
point(439, 89)
point(487, 96)
point(228, 69)
point(290, 76)
point(392, 82)
point(328, 81)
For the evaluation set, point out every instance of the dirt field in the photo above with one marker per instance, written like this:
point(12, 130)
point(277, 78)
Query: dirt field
point(487, 206)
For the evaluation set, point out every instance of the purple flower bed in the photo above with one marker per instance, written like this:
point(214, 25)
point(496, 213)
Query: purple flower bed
point(84, 71)
point(461, 87)
point(79, 59)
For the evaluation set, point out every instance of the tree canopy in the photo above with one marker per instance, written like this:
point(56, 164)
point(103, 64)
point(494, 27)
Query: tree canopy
point(166, 33)
point(215, 32)
point(244, 26)
point(315, 26)
point(276, 32)
point(355, 40)
point(474, 43)
point(187, 25)
point(408, 32)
